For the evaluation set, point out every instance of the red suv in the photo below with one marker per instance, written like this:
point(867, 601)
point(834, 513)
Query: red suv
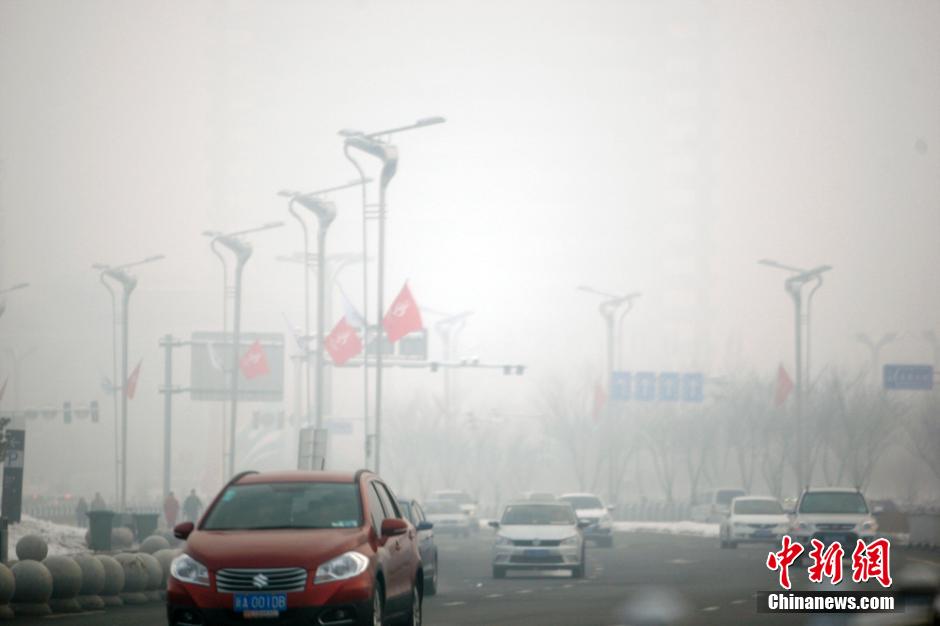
point(311, 548)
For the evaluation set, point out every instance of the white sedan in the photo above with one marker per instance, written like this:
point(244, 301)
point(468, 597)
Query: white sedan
point(447, 517)
point(753, 519)
point(538, 535)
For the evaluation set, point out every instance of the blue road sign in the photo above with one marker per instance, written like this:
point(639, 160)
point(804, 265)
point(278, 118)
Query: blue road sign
point(669, 387)
point(645, 386)
point(620, 386)
point(693, 387)
point(918, 377)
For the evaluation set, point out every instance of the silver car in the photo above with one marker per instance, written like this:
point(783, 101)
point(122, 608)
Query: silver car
point(538, 536)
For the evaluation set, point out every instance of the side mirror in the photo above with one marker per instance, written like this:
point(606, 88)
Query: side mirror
point(493, 523)
point(182, 531)
point(583, 523)
point(394, 526)
point(425, 525)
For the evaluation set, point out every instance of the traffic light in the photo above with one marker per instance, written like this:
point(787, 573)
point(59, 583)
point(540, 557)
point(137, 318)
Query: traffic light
point(93, 409)
point(67, 412)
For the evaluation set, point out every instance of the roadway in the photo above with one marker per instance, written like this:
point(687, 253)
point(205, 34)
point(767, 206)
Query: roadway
point(644, 579)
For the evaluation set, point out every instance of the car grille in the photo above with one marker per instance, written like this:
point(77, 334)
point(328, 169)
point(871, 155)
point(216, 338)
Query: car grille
point(590, 520)
point(548, 558)
point(839, 527)
point(548, 543)
point(280, 579)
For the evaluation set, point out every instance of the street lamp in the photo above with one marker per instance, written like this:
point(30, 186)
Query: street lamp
point(794, 287)
point(608, 308)
point(242, 251)
point(874, 348)
point(120, 276)
point(374, 145)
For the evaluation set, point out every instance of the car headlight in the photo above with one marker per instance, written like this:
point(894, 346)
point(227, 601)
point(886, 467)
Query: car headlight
point(344, 566)
point(868, 526)
point(570, 541)
point(503, 541)
point(186, 569)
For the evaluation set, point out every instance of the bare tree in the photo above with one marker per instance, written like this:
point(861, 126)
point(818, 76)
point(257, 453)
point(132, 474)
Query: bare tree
point(567, 423)
point(923, 429)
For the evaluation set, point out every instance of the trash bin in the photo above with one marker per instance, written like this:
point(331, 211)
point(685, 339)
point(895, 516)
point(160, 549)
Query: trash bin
point(145, 524)
point(99, 530)
point(4, 539)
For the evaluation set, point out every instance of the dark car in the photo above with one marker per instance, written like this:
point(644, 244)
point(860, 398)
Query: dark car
point(426, 547)
point(325, 548)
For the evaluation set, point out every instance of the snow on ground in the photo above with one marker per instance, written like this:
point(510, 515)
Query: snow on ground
point(698, 529)
point(61, 538)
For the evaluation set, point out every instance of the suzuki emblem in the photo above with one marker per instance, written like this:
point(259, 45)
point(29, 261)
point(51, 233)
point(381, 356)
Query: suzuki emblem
point(260, 581)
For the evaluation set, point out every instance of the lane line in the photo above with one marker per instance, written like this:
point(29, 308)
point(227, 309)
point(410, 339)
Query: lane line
point(457, 603)
point(493, 595)
point(737, 602)
point(709, 608)
point(524, 591)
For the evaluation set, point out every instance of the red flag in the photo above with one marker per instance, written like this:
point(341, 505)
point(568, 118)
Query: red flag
point(784, 386)
point(403, 316)
point(254, 363)
point(131, 387)
point(600, 400)
point(343, 342)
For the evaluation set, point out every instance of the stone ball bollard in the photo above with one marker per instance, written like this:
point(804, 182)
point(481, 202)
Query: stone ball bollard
point(7, 586)
point(167, 533)
point(113, 580)
point(153, 543)
point(31, 548)
point(122, 538)
point(89, 597)
point(135, 578)
point(154, 576)
point(66, 583)
point(165, 558)
point(33, 588)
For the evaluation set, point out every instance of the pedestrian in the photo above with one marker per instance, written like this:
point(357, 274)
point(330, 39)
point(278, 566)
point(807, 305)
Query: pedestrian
point(192, 507)
point(171, 509)
point(81, 510)
point(97, 503)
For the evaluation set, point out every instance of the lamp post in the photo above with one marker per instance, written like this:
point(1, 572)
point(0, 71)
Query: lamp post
point(794, 287)
point(242, 252)
point(120, 276)
point(374, 145)
point(608, 309)
point(874, 347)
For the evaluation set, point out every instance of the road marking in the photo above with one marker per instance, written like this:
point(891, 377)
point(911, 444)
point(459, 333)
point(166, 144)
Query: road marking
point(457, 603)
point(493, 595)
point(524, 591)
point(709, 608)
point(681, 562)
point(568, 586)
point(737, 602)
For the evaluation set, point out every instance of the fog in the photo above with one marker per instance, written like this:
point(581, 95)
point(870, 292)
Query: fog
point(661, 148)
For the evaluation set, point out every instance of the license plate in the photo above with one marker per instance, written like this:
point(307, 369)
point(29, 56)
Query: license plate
point(260, 604)
point(536, 553)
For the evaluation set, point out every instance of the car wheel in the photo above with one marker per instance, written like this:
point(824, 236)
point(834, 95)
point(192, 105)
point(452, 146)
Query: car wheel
point(499, 572)
point(377, 605)
point(430, 585)
point(415, 607)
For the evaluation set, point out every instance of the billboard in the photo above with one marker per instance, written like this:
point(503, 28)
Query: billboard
point(211, 363)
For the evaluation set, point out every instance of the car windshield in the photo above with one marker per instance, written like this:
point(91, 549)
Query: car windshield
point(833, 502)
point(538, 515)
point(286, 505)
point(440, 507)
point(757, 507)
point(725, 496)
point(584, 502)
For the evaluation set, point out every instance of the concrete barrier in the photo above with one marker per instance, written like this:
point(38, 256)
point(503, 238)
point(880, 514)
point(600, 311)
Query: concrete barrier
point(113, 580)
point(154, 576)
point(66, 583)
point(33, 588)
point(165, 558)
point(135, 578)
point(7, 586)
point(31, 548)
point(92, 582)
point(153, 543)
